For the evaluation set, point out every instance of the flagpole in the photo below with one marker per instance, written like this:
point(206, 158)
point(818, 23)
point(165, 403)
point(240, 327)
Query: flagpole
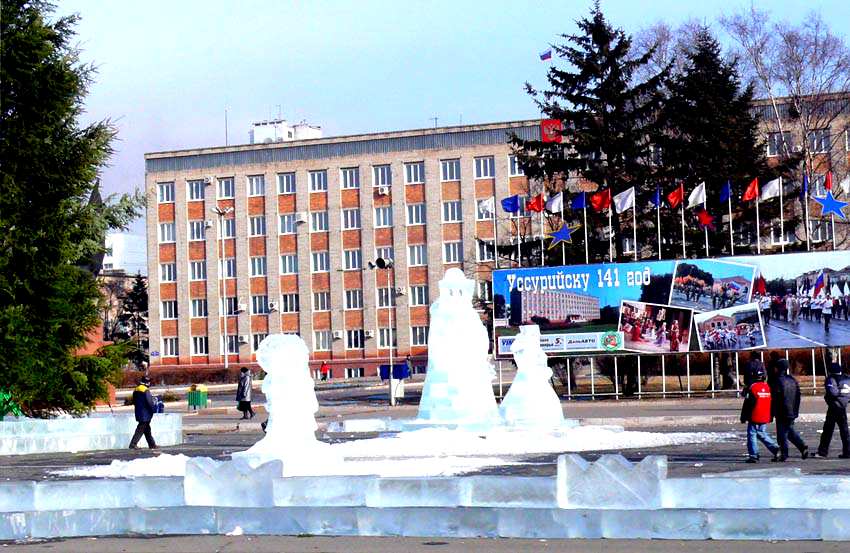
point(518, 252)
point(495, 234)
point(658, 222)
point(611, 234)
point(705, 207)
point(806, 207)
point(731, 230)
point(758, 226)
point(634, 226)
point(684, 250)
point(832, 218)
point(586, 249)
point(563, 222)
point(542, 259)
point(781, 218)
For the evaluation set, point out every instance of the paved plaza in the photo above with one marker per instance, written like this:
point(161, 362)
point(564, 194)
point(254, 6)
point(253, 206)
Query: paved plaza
point(806, 334)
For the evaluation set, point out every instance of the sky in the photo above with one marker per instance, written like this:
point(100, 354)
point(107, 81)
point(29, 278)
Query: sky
point(167, 71)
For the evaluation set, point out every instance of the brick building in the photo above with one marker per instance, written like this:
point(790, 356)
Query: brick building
point(299, 223)
point(557, 306)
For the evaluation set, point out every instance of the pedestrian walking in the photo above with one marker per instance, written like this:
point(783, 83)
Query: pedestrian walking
point(144, 407)
point(243, 393)
point(837, 396)
point(826, 312)
point(756, 413)
point(785, 401)
point(752, 367)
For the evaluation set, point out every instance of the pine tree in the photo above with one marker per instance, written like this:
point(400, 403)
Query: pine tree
point(609, 120)
point(134, 316)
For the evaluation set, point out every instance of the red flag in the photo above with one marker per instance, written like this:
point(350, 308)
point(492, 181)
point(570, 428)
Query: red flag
point(828, 183)
point(675, 197)
point(550, 130)
point(752, 191)
point(535, 204)
point(601, 200)
point(761, 286)
point(706, 220)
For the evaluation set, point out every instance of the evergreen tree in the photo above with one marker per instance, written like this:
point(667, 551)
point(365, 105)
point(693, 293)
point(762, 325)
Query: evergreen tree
point(51, 225)
point(609, 120)
point(134, 316)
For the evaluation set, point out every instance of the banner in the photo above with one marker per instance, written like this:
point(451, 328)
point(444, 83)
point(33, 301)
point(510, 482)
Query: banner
point(799, 300)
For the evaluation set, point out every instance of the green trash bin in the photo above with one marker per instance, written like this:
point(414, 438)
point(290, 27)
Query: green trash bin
point(197, 397)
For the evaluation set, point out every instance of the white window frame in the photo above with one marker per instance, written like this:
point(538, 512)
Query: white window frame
point(256, 185)
point(168, 272)
point(384, 216)
point(485, 290)
point(449, 170)
point(320, 262)
point(170, 347)
point(319, 221)
point(385, 297)
point(196, 189)
point(773, 143)
point(416, 214)
point(387, 335)
point(820, 230)
point(385, 252)
point(355, 338)
point(485, 167)
point(355, 372)
point(414, 172)
point(289, 264)
point(228, 229)
point(481, 215)
point(260, 304)
point(226, 188)
point(165, 192)
point(322, 340)
point(352, 260)
point(319, 180)
point(258, 225)
point(349, 178)
point(198, 270)
point(382, 175)
point(229, 305)
point(353, 299)
point(287, 223)
point(257, 338)
point(197, 231)
point(286, 183)
point(483, 251)
point(169, 310)
point(414, 251)
point(819, 141)
point(227, 267)
point(322, 301)
point(453, 252)
point(290, 303)
point(514, 168)
point(167, 233)
point(351, 218)
point(418, 295)
point(259, 266)
point(200, 309)
point(452, 211)
point(418, 335)
point(200, 345)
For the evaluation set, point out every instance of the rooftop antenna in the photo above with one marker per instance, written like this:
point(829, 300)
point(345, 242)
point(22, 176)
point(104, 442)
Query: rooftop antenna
point(434, 119)
point(279, 112)
point(461, 119)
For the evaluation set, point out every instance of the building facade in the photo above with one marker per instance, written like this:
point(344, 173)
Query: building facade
point(249, 240)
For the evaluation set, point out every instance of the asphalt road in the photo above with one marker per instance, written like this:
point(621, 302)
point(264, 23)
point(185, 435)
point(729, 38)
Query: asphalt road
point(806, 334)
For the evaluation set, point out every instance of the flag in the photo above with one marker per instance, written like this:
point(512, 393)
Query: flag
point(820, 282)
point(550, 130)
point(804, 190)
point(827, 184)
point(624, 200)
point(601, 200)
point(546, 55)
point(752, 191)
point(697, 195)
point(706, 220)
point(844, 185)
point(511, 205)
point(675, 197)
point(726, 192)
point(656, 199)
point(555, 204)
point(760, 286)
point(535, 204)
point(579, 202)
point(487, 207)
point(770, 190)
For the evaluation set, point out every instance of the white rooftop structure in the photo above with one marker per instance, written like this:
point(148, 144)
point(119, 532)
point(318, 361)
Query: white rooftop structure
point(280, 130)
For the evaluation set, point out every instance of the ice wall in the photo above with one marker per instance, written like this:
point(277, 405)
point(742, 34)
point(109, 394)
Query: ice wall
point(531, 400)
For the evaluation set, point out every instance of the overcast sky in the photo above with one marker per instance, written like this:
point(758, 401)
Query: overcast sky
point(167, 70)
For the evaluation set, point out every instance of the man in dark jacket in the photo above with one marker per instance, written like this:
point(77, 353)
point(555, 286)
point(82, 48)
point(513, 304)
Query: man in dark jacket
point(144, 406)
point(785, 403)
point(837, 396)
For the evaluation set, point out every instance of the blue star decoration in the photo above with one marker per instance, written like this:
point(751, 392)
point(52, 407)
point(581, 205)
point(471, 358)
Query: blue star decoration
point(830, 205)
point(563, 234)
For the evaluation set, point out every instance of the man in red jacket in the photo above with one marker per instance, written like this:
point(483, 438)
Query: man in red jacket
point(756, 413)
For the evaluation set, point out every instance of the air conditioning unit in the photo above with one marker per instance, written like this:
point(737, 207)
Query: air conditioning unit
point(208, 181)
point(241, 307)
point(399, 291)
point(383, 190)
point(243, 338)
point(337, 334)
point(272, 306)
point(369, 333)
point(208, 223)
point(301, 217)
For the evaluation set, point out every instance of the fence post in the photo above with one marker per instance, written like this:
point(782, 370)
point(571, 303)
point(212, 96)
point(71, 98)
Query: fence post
point(616, 380)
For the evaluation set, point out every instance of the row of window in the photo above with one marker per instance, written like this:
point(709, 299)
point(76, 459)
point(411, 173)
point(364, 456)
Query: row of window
point(818, 142)
point(349, 178)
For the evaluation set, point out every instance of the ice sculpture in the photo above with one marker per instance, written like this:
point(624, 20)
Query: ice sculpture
point(458, 387)
point(531, 401)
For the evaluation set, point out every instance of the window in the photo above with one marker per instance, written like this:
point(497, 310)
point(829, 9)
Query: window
point(484, 167)
point(256, 185)
point(821, 230)
point(818, 186)
point(419, 335)
point(227, 267)
point(355, 372)
point(289, 264)
point(819, 140)
point(259, 305)
point(774, 143)
point(386, 297)
point(485, 209)
point(321, 262)
point(166, 233)
point(230, 306)
point(419, 295)
point(515, 169)
point(485, 290)
point(452, 252)
point(417, 255)
point(287, 223)
point(321, 301)
point(354, 299)
point(349, 177)
point(450, 169)
point(486, 250)
point(199, 308)
point(628, 245)
point(169, 309)
point(384, 216)
point(354, 339)
point(382, 175)
point(351, 218)
point(416, 214)
point(227, 229)
point(523, 209)
point(384, 252)
point(200, 345)
point(414, 173)
point(168, 272)
point(197, 230)
point(169, 347)
point(197, 270)
point(226, 188)
point(256, 340)
point(387, 336)
point(319, 181)
point(286, 183)
point(776, 234)
point(319, 221)
point(451, 212)
point(352, 260)
point(258, 266)
point(232, 343)
point(258, 225)
point(166, 192)
point(289, 303)
point(322, 340)
point(197, 189)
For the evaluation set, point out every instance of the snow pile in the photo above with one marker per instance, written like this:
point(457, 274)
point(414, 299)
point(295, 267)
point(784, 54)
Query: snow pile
point(158, 465)
point(531, 401)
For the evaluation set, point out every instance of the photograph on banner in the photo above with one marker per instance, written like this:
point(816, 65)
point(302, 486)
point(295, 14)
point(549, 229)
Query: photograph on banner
point(711, 284)
point(804, 298)
point(732, 329)
point(654, 328)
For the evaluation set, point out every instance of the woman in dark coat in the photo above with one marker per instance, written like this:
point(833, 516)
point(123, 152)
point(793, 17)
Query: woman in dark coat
point(243, 394)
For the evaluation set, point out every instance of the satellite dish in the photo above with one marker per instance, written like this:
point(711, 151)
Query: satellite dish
point(383, 263)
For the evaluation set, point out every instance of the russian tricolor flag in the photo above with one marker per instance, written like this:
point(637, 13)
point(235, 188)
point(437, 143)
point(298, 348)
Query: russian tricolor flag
point(546, 55)
point(820, 282)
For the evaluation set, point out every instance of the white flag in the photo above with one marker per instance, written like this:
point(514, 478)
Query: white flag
point(487, 207)
point(697, 196)
point(555, 204)
point(844, 185)
point(624, 200)
point(770, 190)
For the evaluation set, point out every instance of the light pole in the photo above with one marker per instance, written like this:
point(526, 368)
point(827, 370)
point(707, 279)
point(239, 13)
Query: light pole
point(387, 264)
point(222, 306)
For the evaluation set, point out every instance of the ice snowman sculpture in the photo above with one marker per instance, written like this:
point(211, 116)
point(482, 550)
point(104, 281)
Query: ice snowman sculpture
point(459, 384)
point(531, 401)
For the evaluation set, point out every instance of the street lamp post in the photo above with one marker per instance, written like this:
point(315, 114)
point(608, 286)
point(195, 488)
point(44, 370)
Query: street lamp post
point(222, 305)
point(387, 264)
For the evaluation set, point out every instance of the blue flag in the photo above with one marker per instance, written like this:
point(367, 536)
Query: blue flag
point(656, 198)
point(578, 202)
point(726, 192)
point(511, 205)
point(804, 191)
